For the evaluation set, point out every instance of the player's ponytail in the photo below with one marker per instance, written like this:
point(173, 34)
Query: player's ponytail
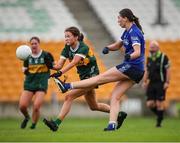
point(80, 37)
point(131, 17)
point(136, 21)
point(75, 32)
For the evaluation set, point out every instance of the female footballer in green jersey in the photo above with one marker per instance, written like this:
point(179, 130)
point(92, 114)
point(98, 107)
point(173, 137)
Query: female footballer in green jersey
point(36, 70)
point(81, 56)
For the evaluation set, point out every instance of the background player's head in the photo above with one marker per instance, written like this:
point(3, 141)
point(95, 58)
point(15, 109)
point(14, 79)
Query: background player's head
point(153, 47)
point(126, 16)
point(35, 44)
point(73, 35)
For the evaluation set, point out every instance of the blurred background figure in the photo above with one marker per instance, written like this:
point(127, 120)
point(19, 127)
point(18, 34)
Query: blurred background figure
point(156, 80)
point(37, 70)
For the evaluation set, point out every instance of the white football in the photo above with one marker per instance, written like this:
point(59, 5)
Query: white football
point(23, 52)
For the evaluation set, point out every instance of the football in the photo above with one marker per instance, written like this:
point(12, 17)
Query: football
point(23, 52)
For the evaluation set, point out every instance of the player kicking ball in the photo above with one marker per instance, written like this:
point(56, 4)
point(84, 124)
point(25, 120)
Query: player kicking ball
point(81, 56)
point(128, 73)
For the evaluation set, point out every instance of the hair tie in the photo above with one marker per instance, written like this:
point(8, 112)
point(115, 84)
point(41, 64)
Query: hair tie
point(134, 17)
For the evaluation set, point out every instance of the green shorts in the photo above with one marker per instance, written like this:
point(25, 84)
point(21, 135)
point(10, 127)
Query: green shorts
point(36, 84)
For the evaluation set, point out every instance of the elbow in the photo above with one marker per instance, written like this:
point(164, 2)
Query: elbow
point(138, 54)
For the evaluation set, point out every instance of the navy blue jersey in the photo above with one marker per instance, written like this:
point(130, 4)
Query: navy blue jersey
point(130, 38)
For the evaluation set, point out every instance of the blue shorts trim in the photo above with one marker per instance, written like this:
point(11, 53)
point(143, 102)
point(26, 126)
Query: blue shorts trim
point(132, 72)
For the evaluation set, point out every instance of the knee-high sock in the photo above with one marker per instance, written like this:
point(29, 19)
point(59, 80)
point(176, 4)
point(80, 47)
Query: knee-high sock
point(154, 110)
point(160, 116)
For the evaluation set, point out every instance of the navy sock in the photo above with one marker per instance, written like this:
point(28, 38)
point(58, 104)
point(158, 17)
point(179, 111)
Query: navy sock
point(160, 114)
point(67, 86)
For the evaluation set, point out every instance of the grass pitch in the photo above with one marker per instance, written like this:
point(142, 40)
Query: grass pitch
point(91, 130)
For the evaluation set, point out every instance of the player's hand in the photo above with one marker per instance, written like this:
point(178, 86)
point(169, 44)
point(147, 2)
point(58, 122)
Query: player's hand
point(166, 85)
point(105, 50)
point(56, 75)
point(25, 70)
point(127, 57)
point(56, 66)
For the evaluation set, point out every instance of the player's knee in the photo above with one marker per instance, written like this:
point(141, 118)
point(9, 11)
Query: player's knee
point(94, 108)
point(150, 104)
point(116, 98)
point(159, 105)
point(147, 104)
point(68, 98)
point(36, 108)
point(114, 101)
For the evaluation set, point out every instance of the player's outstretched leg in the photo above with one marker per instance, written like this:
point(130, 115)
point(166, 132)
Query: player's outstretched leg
point(121, 117)
point(24, 122)
point(51, 124)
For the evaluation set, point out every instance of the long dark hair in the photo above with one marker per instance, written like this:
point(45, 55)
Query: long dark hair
point(131, 17)
point(75, 32)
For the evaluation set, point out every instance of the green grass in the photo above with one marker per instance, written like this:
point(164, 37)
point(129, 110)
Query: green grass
point(84, 130)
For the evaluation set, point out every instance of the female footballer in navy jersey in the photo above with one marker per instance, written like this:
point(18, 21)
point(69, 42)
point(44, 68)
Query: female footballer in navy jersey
point(128, 73)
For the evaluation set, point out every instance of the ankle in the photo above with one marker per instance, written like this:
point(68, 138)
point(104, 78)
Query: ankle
point(58, 121)
point(33, 126)
point(67, 86)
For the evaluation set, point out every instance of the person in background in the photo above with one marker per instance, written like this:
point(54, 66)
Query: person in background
point(156, 80)
point(37, 71)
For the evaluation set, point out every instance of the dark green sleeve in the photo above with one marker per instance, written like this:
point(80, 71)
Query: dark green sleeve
point(64, 52)
point(49, 60)
point(83, 51)
point(25, 64)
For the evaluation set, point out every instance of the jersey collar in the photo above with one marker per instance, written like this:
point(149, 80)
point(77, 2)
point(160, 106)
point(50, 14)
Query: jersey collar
point(38, 55)
point(77, 47)
point(155, 55)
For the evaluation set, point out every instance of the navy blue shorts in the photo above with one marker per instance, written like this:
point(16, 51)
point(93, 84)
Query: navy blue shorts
point(132, 72)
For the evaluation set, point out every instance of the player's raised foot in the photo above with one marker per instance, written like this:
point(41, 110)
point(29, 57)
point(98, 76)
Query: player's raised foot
point(24, 122)
point(61, 85)
point(51, 124)
point(121, 117)
point(110, 127)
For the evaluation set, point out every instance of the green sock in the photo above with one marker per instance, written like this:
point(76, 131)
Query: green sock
point(33, 126)
point(58, 122)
